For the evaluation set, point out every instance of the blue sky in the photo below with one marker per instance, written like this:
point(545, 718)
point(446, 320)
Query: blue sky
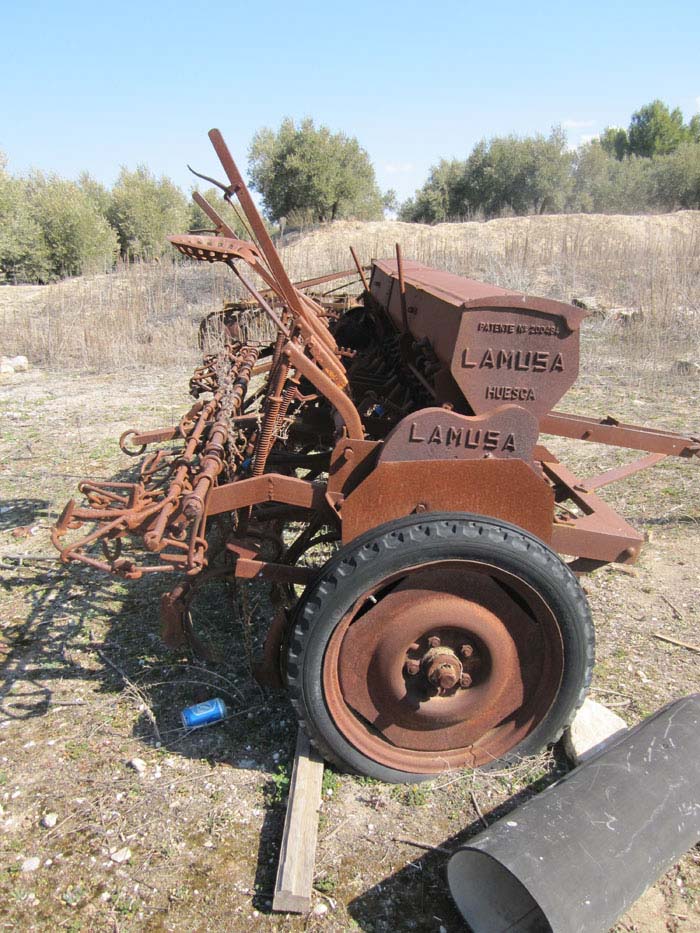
point(99, 85)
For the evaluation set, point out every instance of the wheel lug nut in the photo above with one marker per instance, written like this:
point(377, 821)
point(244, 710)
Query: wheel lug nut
point(412, 667)
point(446, 678)
point(434, 641)
point(467, 651)
point(465, 680)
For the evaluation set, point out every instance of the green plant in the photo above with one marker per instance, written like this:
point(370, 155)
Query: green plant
point(365, 781)
point(77, 749)
point(277, 787)
point(326, 884)
point(73, 895)
point(412, 795)
point(330, 782)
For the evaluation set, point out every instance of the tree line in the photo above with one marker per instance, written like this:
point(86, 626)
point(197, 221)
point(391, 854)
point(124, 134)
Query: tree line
point(653, 165)
point(51, 228)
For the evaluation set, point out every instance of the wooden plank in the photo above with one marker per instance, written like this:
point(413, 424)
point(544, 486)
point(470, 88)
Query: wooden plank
point(295, 871)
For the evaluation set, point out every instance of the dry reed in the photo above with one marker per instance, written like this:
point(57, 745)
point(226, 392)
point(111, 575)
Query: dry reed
point(147, 315)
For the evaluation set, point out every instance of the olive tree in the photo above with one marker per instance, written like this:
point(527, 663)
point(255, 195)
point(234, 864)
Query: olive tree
point(307, 173)
point(144, 210)
point(78, 238)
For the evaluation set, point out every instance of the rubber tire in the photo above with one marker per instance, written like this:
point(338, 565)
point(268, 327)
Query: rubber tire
point(404, 543)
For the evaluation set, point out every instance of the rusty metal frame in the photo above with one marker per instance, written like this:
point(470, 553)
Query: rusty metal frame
point(609, 430)
point(413, 427)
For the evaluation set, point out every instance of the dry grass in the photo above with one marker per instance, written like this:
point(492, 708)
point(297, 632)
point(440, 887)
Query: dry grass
point(146, 314)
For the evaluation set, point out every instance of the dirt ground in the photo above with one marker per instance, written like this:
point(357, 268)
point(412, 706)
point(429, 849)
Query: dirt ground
point(113, 817)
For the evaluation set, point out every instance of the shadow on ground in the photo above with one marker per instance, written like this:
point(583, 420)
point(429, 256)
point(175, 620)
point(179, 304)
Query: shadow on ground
point(70, 626)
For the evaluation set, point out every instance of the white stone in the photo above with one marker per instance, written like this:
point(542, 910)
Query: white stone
point(49, 820)
point(593, 729)
point(121, 855)
point(31, 864)
point(20, 364)
point(320, 910)
point(138, 765)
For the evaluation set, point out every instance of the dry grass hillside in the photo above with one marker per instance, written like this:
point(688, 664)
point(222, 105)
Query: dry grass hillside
point(148, 314)
point(113, 817)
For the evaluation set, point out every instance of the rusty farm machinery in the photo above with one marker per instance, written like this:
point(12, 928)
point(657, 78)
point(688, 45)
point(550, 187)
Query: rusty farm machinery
point(401, 430)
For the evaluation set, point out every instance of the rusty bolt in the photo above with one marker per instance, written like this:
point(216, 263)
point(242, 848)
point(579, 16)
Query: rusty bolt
point(467, 651)
point(445, 677)
point(434, 641)
point(421, 507)
point(465, 680)
point(412, 667)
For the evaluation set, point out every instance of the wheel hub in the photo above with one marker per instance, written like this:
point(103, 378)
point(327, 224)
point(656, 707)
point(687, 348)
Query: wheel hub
point(439, 666)
point(442, 668)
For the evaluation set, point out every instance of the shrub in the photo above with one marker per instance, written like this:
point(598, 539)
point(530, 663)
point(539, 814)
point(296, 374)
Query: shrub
point(24, 255)
point(144, 210)
point(675, 178)
point(78, 238)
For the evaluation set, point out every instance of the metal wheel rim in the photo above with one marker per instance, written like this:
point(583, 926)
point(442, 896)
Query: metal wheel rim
point(517, 636)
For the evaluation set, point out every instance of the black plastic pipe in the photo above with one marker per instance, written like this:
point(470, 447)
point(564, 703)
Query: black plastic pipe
point(574, 858)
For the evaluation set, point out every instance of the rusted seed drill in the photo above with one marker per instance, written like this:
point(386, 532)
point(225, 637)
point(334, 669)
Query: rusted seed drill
point(403, 426)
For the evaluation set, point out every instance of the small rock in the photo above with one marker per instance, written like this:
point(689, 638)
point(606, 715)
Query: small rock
point(31, 864)
point(320, 909)
point(138, 765)
point(20, 364)
point(121, 855)
point(625, 316)
point(247, 763)
point(49, 820)
point(592, 730)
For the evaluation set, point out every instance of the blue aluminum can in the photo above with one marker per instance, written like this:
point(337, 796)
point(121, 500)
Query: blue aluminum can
point(203, 714)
